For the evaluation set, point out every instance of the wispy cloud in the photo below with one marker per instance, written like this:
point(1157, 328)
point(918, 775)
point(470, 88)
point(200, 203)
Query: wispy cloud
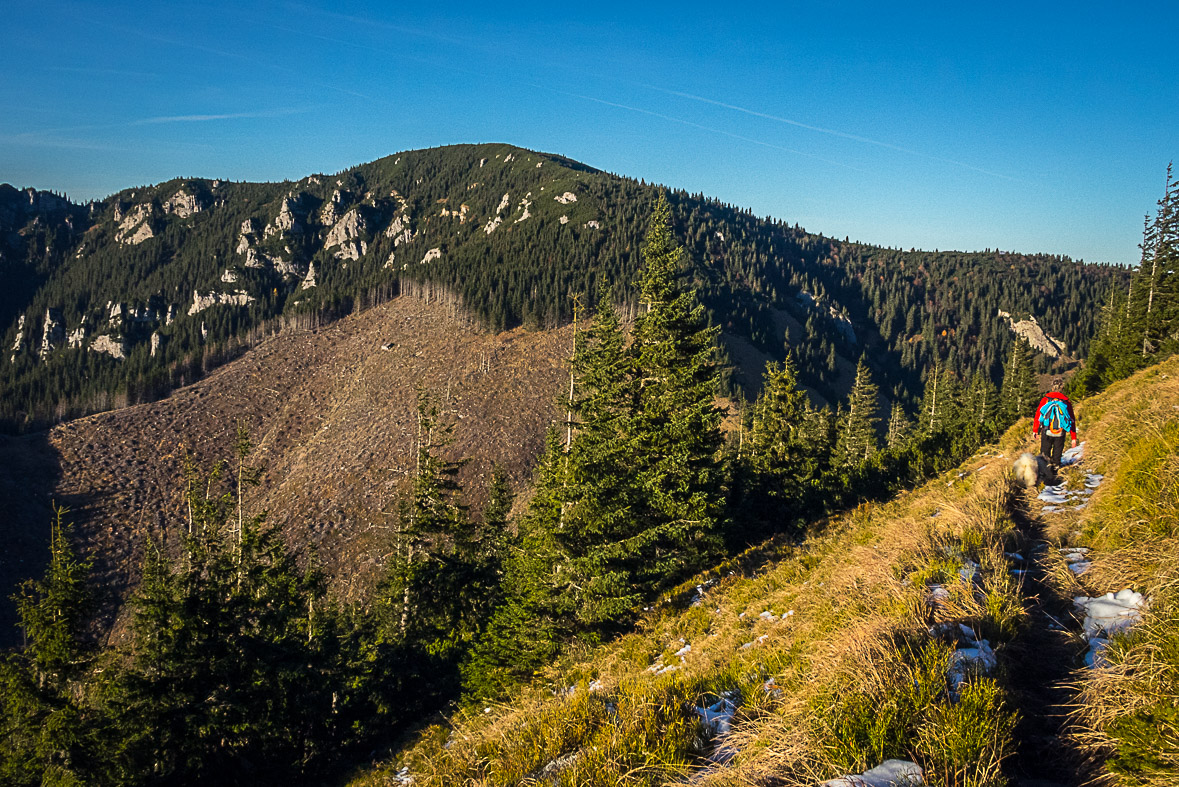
point(270, 113)
point(371, 23)
point(111, 72)
point(709, 129)
point(829, 131)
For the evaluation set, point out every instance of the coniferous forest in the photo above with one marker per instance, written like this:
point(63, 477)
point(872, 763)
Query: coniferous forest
point(238, 664)
point(119, 301)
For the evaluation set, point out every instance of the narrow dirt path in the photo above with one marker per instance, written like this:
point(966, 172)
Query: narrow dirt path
point(1041, 660)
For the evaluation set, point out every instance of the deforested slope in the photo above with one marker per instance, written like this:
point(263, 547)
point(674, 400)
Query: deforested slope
point(900, 636)
point(332, 413)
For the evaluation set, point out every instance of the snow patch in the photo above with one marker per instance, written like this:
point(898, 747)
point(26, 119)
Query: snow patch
point(890, 773)
point(1110, 613)
point(717, 720)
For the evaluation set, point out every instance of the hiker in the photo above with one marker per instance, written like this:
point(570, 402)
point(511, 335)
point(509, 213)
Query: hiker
point(1054, 416)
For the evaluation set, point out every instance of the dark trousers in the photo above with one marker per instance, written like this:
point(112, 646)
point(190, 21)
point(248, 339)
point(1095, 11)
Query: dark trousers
point(1051, 449)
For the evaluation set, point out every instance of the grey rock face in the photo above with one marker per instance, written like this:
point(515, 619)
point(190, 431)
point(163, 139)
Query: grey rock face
point(182, 204)
point(54, 333)
point(202, 302)
point(1030, 331)
point(111, 345)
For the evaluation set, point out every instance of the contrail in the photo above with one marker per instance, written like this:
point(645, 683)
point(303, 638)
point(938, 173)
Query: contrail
point(709, 129)
point(829, 131)
point(225, 116)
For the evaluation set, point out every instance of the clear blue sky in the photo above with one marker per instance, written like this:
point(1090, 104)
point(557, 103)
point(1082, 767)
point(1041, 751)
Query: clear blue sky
point(940, 125)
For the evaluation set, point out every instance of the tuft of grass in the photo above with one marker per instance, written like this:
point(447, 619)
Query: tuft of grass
point(872, 712)
point(964, 744)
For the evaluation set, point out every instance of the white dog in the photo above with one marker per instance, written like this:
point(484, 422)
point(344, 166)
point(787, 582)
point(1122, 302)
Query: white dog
point(1030, 469)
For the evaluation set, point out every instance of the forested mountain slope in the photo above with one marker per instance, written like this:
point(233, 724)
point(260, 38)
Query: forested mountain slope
point(971, 632)
point(120, 300)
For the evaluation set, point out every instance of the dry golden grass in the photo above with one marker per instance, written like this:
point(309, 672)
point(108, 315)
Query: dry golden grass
point(1126, 713)
point(851, 667)
point(850, 630)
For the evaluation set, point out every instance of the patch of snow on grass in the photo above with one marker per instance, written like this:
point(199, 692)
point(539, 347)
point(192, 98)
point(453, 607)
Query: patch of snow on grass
point(1054, 494)
point(979, 658)
point(1072, 455)
point(717, 720)
point(1110, 613)
point(890, 773)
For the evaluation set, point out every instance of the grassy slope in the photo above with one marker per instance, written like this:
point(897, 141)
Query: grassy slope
point(852, 668)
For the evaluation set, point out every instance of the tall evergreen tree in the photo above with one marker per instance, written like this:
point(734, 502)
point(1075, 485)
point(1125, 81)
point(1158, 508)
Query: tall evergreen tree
point(676, 424)
point(538, 608)
point(45, 736)
point(899, 427)
point(981, 406)
point(777, 467)
point(228, 661)
point(427, 591)
point(856, 439)
point(1019, 392)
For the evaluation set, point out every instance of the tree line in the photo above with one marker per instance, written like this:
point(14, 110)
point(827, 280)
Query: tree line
point(1140, 322)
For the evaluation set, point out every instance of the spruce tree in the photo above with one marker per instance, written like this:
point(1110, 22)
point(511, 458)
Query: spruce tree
point(899, 427)
point(981, 406)
point(1019, 392)
point(426, 594)
point(776, 467)
point(234, 659)
point(676, 424)
point(46, 735)
point(537, 610)
point(856, 434)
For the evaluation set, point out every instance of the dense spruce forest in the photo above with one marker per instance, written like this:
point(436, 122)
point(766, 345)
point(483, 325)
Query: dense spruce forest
point(123, 299)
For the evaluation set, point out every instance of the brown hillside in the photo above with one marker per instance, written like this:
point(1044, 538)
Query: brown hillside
point(333, 415)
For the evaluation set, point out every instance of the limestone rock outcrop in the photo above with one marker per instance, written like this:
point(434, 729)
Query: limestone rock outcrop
point(54, 333)
point(350, 227)
point(182, 204)
point(399, 230)
point(287, 220)
point(20, 337)
point(77, 337)
point(202, 302)
point(1033, 334)
point(111, 345)
point(329, 214)
point(134, 225)
point(460, 214)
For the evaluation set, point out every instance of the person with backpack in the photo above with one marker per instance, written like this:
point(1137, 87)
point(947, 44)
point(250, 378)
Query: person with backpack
point(1054, 417)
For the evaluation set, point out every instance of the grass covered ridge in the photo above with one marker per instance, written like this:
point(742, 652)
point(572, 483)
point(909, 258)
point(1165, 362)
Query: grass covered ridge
point(850, 647)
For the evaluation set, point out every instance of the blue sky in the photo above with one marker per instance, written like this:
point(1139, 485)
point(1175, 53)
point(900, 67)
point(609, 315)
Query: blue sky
point(987, 126)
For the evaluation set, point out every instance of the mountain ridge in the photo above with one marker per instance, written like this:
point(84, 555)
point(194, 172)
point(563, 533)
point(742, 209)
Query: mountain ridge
point(131, 296)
